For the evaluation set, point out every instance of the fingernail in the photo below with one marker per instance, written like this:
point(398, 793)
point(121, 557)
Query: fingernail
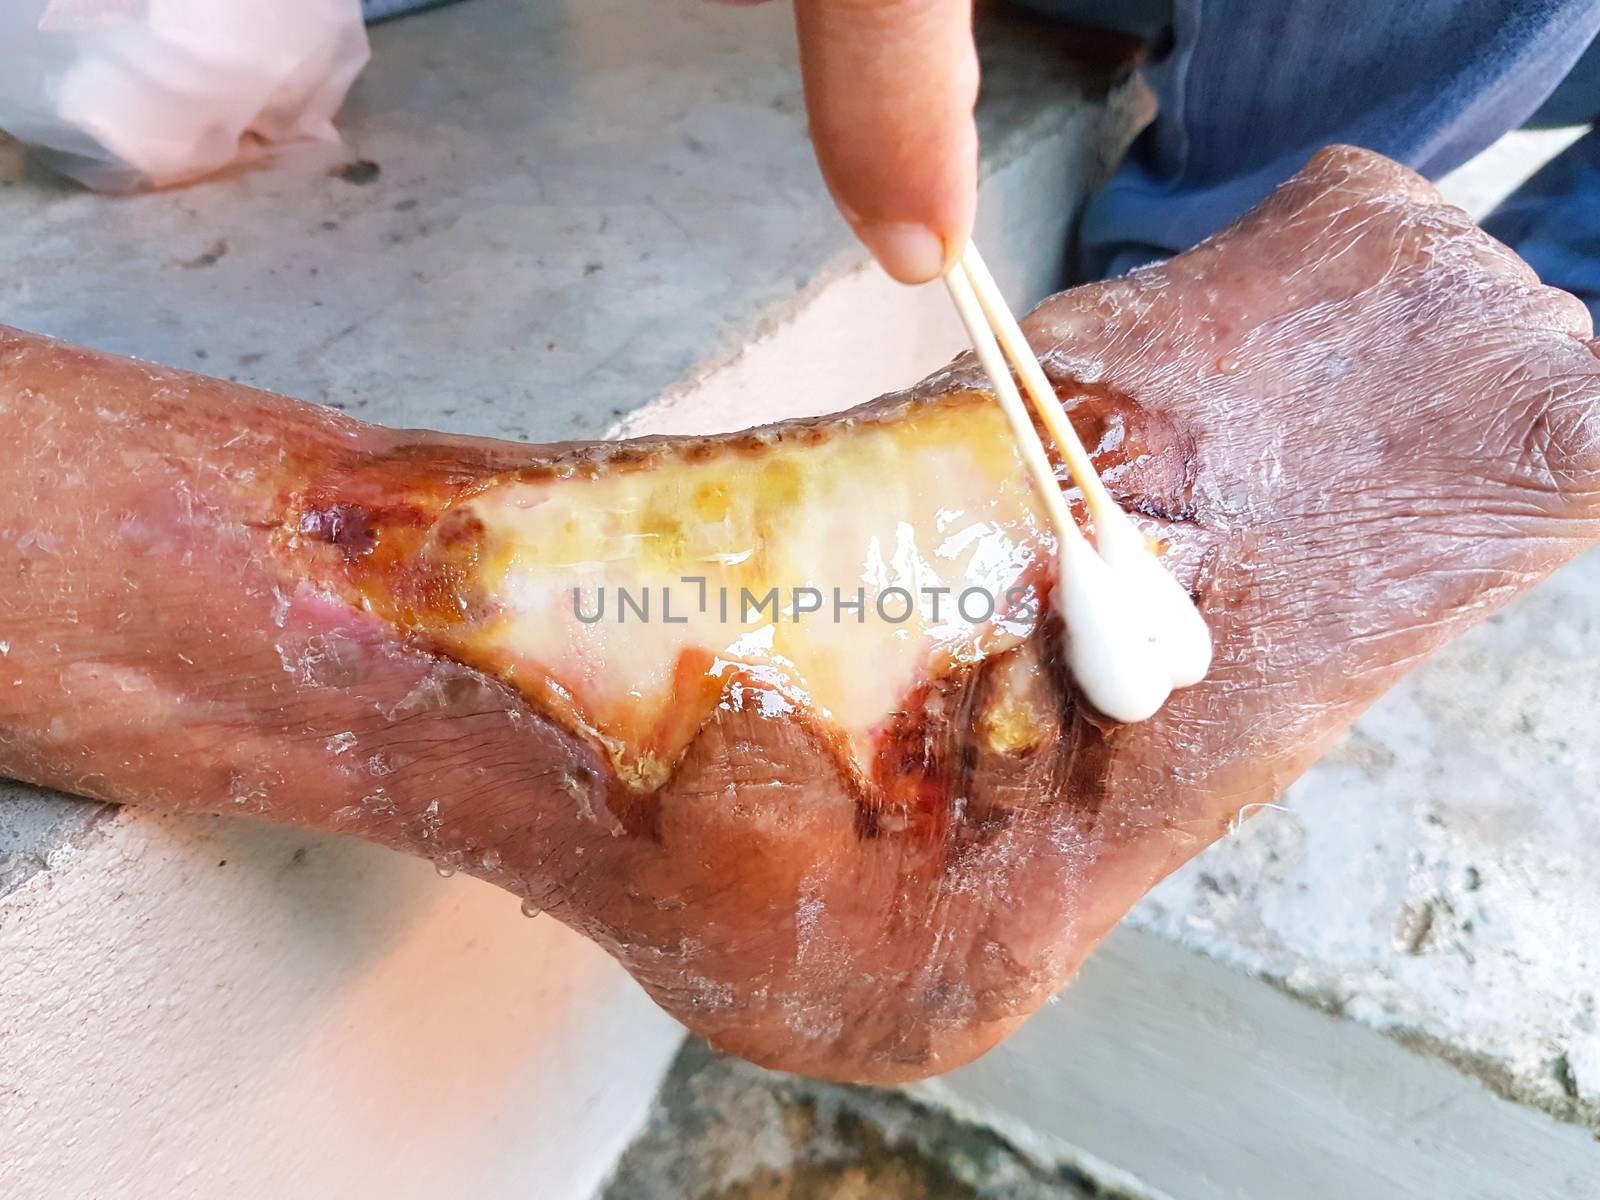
point(910, 253)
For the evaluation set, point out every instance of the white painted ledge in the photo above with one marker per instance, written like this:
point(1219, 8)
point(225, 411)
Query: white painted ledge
point(208, 1008)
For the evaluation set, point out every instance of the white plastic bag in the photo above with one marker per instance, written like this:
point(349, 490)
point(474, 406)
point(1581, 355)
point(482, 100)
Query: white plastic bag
point(126, 94)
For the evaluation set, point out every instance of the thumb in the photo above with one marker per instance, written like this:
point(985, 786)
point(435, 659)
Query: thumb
point(890, 88)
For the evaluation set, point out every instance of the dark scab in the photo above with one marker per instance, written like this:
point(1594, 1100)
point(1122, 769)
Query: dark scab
point(1120, 433)
point(1186, 512)
point(700, 451)
point(638, 814)
point(631, 456)
point(348, 526)
point(459, 528)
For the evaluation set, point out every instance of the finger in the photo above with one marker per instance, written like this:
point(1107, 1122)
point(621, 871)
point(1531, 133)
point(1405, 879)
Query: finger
point(890, 88)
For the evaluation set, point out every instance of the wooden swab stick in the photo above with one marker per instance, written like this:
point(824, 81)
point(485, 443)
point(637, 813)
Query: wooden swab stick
point(1038, 386)
point(1029, 444)
point(1133, 633)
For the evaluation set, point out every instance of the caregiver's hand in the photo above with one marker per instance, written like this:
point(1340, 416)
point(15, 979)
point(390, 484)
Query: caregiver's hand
point(890, 87)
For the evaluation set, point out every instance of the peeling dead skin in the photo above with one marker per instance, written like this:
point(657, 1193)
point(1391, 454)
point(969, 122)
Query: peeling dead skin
point(1364, 425)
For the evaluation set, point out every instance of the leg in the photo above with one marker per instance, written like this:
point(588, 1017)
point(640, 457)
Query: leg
point(856, 847)
point(1249, 91)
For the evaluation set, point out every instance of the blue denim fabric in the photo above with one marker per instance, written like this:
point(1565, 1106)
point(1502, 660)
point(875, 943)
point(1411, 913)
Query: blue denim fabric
point(1553, 221)
point(1249, 89)
point(381, 10)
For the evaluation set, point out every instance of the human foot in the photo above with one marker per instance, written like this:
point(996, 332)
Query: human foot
point(855, 849)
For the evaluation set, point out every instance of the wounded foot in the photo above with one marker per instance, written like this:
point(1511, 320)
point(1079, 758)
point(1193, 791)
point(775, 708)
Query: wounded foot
point(780, 718)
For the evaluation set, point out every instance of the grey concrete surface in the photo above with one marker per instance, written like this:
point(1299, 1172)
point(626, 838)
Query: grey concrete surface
point(545, 215)
point(1204, 1084)
point(1434, 877)
point(722, 1129)
point(34, 824)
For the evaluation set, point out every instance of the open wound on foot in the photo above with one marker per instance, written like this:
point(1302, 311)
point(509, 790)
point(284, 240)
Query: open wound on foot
point(828, 572)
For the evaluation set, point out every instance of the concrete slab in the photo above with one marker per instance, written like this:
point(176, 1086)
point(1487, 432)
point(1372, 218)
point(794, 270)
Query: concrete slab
point(546, 214)
point(202, 1008)
point(723, 1128)
point(35, 823)
point(1203, 1084)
